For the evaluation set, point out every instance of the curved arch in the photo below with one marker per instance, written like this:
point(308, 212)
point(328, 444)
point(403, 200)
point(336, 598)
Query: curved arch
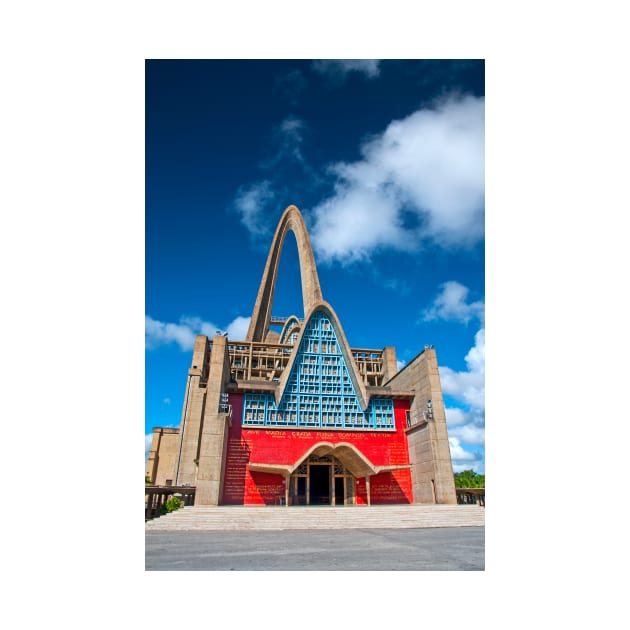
point(348, 454)
point(292, 221)
point(289, 327)
point(321, 448)
point(357, 382)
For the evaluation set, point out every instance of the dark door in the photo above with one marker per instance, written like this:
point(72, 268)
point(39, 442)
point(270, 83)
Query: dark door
point(320, 485)
point(339, 491)
point(301, 491)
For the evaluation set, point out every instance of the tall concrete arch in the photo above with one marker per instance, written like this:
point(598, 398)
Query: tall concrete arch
point(291, 220)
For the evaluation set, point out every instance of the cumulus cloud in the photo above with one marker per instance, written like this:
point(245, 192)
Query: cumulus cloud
point(457, 452)
point(455, 415)
point(338, 68)
point(237, 329)
point(184, 332)
point(466, 424)
point(163, 333)
point(251, 204)
point(400, 364)
point(451, 304)
point(420, 181)
point(470, 433)
point(148, 438)
point(356, 222)
point(463, 459)
point(469, 385)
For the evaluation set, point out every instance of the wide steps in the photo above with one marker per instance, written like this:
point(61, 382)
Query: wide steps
point(231, 518)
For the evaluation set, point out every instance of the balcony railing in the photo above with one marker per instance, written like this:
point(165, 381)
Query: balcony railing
point(471, 496)
point(156, 496)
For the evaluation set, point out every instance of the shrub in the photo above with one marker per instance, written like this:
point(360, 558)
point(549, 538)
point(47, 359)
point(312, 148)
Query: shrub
point(171, 505)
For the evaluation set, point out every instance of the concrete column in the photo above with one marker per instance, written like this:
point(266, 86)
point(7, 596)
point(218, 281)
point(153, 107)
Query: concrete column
point(152, 462)
point(429, 452)
point(214, 429)
point(389, 363)
point(444, 486)
point(331, 485)
point(192, 414)
point(367, 488)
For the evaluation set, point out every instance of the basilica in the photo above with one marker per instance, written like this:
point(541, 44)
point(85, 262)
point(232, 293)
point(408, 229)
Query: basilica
point(296, 416)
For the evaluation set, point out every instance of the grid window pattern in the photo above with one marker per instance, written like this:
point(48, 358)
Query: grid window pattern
point(319, 392)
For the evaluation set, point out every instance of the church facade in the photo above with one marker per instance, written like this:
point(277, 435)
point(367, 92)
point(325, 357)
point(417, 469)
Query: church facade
point(298, 417)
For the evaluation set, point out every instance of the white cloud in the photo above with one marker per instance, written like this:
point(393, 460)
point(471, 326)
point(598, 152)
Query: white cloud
point(288, 175)
point(339, 68)
point(451, 305)
point(354, 223)
point(183, 333)
point(455, 415)
point(463, 459)
point(468, 386)
point(469, 433)
point(400, 364)
point(290, 134)
point(148, 439)
point(467, 426)
point(251, 202)
point(199, 326)
point(238, 328)
point(167, 401)
point(421, 180)
point(161, 333)
point(457, 452)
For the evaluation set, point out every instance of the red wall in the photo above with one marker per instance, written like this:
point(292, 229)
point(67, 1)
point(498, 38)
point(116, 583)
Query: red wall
point(284, 446)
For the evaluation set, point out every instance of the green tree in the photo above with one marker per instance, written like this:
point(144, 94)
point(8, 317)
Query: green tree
point(469, 479)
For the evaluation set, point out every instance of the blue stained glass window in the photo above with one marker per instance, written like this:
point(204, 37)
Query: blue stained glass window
point(319, 391)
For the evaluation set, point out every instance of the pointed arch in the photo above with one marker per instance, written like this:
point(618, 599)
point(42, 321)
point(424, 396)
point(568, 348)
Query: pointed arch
point(291, 326)
point(357, 382)
point(293, 221)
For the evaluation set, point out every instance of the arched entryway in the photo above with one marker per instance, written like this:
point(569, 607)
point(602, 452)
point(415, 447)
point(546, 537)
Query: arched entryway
point(335, 483)
point(321, 480)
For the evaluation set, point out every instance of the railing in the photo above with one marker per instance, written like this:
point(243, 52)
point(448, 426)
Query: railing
point(281, 321)
point(256, 360)
point(471, 496)
point(156, 496)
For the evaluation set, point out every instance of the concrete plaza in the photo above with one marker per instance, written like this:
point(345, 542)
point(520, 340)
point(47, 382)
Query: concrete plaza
point(421, 549)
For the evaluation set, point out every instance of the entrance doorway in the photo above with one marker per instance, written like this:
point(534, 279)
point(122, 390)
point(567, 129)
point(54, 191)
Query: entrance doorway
point(339, 491)
point(320, 484)
point(321, 481)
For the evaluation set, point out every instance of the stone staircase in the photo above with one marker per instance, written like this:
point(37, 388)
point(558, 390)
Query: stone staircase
point(232, 518)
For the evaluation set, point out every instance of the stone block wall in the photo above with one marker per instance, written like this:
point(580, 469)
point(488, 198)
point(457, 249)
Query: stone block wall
point(163, 456)
point(429, 452)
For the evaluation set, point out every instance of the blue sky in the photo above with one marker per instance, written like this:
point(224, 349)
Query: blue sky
point(385, 159)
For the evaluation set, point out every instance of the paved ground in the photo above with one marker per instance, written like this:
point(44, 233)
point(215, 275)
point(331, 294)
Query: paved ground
point(427, 549)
